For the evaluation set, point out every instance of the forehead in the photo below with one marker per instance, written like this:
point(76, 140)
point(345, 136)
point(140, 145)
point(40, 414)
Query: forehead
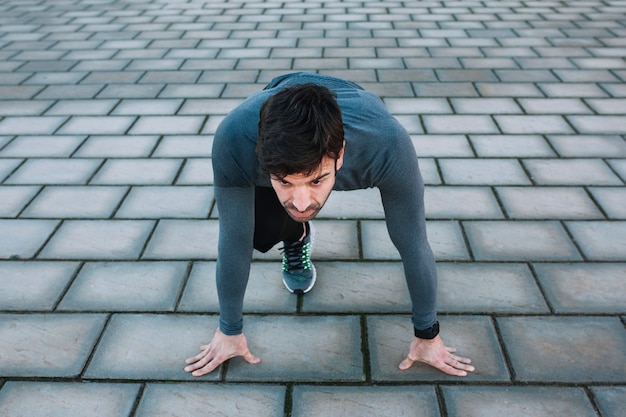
point(326, 167)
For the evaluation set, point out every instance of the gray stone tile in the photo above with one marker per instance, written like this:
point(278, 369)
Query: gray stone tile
point(520, 241)
point(172, 125)
point(98, 239)
point(127, 91)
point(313, 401)
point(148, 107)
point(548, 203)
point(185, 146)
point(611, 200)
point(183, 239)
point(437, 124)
point(473, 336)
point(571, 172)
point(229, 400)
point(358, 287)
point(67, 399)
point(518, 146)
point(47, 345)
point(417, 106)
point(123, 354)
point(587, 288)
point(81, 107)
point(54, 171)
point(97, 125)
point(451, 202)
point(619, 165)
point(44, 125)
point(292, 348)
point(445, 238)
point(33, 286)
point(354, 204)
point(265, 292)
point(167, 202)
point(23, 238)
point(138, 172)
point(533, 124)
point(429, 171)
point(125, 286)
point(483, 172)
point(332, 240)
point(488, 288)
point(558, 349)
point(196, 171)
point(442, 146)
point(118, 146)
point(24, 107)
point(485, 106)
point(602, 125)
point(521, 401)
point(584, 146)
point(14, 198)
point(7, 166)
point(198, 106)
point(600, 241)
point(610, 400)
point(42, 146)
point(61, 202)
point(554, 105)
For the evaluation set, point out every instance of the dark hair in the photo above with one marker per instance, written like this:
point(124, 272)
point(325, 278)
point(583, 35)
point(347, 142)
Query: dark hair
point(298, 126)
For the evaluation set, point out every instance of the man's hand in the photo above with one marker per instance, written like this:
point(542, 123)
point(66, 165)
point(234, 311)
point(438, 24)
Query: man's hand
point(435, 353)
point(220, 349)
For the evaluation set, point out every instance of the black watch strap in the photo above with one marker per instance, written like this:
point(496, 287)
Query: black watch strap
point(429, 333)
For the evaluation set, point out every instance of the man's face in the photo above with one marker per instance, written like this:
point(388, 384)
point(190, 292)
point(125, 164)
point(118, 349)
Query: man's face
point(303, 196)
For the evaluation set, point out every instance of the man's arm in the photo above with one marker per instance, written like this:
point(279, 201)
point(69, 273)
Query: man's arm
point(236, 220)
point(402, 193)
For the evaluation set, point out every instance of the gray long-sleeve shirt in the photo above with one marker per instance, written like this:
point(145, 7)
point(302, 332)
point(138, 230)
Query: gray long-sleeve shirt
point(378, 153)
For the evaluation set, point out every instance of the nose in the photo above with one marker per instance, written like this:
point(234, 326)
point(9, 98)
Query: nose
point(301, 199)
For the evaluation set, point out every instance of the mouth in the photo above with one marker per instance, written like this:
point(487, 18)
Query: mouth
point(307, 215)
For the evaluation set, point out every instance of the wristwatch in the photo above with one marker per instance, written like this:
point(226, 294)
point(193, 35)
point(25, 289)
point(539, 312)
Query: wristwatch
point(429, 333)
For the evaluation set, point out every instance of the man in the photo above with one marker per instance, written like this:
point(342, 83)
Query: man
point(276, 158)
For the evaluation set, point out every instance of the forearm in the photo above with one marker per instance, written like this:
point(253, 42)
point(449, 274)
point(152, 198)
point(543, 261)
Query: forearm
point(236, 217)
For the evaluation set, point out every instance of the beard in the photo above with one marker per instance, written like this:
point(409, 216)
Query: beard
point(302, 217)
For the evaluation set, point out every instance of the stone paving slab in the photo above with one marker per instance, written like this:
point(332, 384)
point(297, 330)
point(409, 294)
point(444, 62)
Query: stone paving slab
point(26, 286)
point(292, 348)
point(597, 288)
point(125, 286)
point(98, 239)
point(47, 345)
point(473, 336)
point(309, 401)
point(180, 400)
point(265, 292)
point(610, 400)
point(520, 241)
point(488, 288)
point(540, 349)
point(69, 399)
point(517, 401)
point(445, 238)
point(150, 347)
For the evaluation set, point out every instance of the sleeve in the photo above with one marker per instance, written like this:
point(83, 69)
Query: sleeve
point(402, 193)
point(235, 246)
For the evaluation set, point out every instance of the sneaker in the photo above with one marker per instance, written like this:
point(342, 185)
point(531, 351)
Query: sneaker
point(298, 271)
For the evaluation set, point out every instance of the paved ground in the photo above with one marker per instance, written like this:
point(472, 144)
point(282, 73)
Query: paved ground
point(107, 222)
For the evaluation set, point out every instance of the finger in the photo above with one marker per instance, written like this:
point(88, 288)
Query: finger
point(450, 349)
point(210, 367)
point(461, 359)
point(460, 364)
point(198, 364)
point(406, 364)
point(250, 358)
point(204, 350)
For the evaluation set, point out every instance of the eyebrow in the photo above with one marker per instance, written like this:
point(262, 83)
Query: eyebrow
point(278, 177)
